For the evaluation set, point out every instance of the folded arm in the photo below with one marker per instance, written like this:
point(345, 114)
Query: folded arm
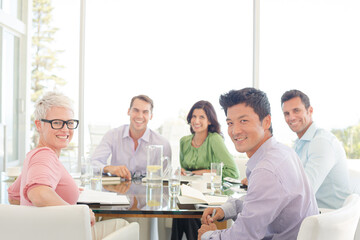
point(43, 196)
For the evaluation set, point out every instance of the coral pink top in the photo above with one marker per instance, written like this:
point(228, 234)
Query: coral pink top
point(42, 167)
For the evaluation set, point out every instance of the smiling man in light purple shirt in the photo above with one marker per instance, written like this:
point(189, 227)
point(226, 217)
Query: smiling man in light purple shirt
point(279, 196)
point(127, 144)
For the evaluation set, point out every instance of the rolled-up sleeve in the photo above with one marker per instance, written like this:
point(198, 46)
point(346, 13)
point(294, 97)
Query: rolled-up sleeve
point(321, 159)
point(232, 207)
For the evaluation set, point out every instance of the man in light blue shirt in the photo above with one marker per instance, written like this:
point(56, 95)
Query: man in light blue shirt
point(127, 144)
point(279, 196)
point(322, 155)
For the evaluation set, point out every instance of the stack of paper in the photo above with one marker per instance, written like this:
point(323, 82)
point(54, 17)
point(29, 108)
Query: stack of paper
point(191, 195)
point(91, 196)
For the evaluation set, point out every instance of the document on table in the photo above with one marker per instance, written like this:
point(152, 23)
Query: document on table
point(191, 195)
point(91, 196)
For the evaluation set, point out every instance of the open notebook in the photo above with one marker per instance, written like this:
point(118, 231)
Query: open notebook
point(191, 195)
point(97, 197)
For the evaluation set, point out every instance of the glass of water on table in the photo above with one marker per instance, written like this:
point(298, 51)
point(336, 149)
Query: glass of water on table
point(216, 176)
point(174, 181)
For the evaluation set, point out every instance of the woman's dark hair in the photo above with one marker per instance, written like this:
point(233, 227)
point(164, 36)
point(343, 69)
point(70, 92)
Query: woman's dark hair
point(252, 97)
point(210, 114)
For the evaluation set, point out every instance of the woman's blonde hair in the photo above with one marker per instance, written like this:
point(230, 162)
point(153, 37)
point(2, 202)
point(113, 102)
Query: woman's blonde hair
point(49, 100)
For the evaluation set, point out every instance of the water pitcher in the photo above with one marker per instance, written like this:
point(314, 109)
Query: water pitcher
point(156, 161)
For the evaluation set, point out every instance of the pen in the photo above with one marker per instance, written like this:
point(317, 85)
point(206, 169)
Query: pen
point(213, 213)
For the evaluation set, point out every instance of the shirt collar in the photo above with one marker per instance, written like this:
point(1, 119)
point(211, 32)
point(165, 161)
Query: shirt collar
point(310, 133)
point(145, 137)
point(256, 157)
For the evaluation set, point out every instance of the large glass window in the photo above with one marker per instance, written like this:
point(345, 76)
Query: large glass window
point(9, 92)
point(312, 46)
point(63, 49)
point(175, 52)
point(12, 7)
point(13, 71)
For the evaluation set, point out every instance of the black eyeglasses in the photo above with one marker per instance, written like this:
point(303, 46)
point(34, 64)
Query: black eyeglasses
point(59, 124)
point(137, 176)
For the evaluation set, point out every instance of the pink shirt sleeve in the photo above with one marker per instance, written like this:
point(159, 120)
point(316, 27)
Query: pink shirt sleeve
point(43, 169)
point(14, 189)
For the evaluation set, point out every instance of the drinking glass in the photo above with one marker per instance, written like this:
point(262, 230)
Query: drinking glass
point(85, 171)
point(216, 177)
point(96, 183)
point(174, 181)
point(96, 173)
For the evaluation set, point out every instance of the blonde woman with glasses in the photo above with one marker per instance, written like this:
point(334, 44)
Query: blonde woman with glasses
point(44, 181)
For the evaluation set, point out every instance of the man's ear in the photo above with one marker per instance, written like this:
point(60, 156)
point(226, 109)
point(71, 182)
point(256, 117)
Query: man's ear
point(266, 122)
point(129, 112)
point(151, 115)
point(310, 110)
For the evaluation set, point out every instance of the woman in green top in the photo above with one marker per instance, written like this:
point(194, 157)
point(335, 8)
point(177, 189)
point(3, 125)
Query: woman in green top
point(197, 151)
point(205, 145)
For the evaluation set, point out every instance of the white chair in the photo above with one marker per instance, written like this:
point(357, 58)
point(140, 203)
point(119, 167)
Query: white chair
point(354, 176)
point(129, 231)
point(334, 225)
point(96, 134)
point(58, 222)
point(241, 164)
point(357, 233)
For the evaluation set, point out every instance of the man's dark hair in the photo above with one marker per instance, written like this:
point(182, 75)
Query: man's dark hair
point(252, 97)
point(143, 98)
point(296, 93)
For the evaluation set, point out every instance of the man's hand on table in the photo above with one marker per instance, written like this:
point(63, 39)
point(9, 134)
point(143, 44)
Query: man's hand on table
point(204, 228)
point(121, 171)
point(207, 217)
